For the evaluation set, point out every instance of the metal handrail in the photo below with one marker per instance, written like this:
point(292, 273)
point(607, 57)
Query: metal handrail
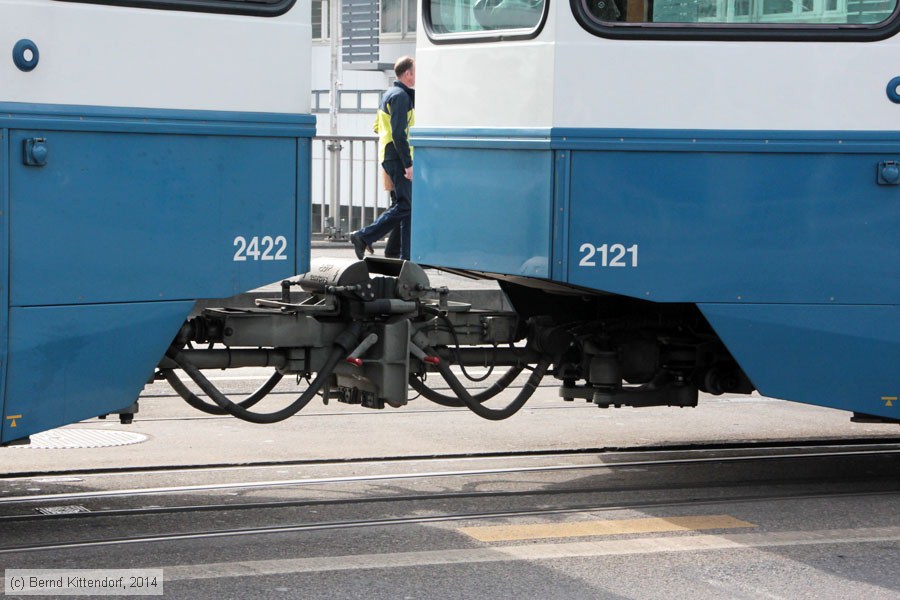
point(346, 191)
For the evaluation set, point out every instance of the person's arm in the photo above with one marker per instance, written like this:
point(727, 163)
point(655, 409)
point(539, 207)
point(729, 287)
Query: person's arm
point(400, 107)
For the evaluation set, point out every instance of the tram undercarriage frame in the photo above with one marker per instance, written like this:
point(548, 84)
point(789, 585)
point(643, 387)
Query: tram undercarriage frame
point(370, 330)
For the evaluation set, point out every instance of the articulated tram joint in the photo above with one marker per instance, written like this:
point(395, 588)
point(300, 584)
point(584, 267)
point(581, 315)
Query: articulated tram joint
point(367, 330)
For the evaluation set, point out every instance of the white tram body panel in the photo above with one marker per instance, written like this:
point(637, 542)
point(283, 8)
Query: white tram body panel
point(97, 55)
point(567, 77)
point(461, 87)
point(722, 85)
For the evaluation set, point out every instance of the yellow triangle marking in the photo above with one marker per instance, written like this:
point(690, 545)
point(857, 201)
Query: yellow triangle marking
point(889, 400)
point(13, 419)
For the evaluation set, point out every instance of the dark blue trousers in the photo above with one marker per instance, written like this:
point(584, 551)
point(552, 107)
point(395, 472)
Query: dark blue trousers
point(392, 247)
point(399, 214)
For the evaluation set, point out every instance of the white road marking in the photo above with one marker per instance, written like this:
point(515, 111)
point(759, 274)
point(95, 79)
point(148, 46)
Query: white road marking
point(533, 552)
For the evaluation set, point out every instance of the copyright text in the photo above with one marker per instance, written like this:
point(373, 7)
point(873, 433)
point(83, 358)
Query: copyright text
point(83, 582)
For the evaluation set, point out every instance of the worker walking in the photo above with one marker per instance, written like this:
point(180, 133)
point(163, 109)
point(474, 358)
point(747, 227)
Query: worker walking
point(396, 115)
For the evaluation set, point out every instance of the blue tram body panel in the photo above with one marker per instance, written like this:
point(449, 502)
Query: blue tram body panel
point(842, 357)
point(4, 275)
point(154, 216)
point(786, 241)
point(773, 218)
point(132, 216)
point(68, 363)
point(501, 225)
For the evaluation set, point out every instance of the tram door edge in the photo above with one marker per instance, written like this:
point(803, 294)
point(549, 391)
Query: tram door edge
point(4, 276)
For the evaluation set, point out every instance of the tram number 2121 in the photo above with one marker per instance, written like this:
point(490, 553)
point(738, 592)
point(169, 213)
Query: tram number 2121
point(608, 255)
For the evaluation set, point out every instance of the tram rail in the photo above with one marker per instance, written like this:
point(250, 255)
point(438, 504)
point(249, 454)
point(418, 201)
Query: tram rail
point(416, 520)
point(871, 470)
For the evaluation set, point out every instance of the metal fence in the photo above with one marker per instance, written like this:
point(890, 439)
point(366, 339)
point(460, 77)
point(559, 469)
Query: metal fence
point(347, 191)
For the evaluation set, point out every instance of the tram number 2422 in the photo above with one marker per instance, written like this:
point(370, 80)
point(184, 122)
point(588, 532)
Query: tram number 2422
point(608, 255)
point(260, 248)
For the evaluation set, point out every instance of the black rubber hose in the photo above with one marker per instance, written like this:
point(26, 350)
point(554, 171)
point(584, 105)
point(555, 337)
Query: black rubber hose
point(494, 414)
point(213, 409)
point(242, 413)
point(483, 396)
point(344, 344)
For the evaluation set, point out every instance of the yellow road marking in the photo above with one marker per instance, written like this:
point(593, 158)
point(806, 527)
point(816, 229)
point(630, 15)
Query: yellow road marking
point(508, 533)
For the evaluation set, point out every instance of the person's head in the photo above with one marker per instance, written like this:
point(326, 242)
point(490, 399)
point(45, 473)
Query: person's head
point(405, 70)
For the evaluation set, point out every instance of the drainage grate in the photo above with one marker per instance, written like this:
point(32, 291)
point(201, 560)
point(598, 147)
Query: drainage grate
point(58, 439)
point(62, 510)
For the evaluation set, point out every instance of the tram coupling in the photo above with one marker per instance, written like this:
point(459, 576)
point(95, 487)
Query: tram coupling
point(360, 332)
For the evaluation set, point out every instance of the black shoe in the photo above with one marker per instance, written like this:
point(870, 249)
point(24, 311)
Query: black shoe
point(359, 246)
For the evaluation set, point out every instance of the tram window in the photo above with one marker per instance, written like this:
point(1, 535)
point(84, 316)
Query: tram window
point(754, 12)
point(258, 8)
point(320, 20)
point(475, 16)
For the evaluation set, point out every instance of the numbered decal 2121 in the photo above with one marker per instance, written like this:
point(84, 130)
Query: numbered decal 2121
point(608, 255)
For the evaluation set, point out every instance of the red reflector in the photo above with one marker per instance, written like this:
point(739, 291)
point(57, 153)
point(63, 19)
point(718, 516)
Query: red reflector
point(357, 362)
point(432, 360)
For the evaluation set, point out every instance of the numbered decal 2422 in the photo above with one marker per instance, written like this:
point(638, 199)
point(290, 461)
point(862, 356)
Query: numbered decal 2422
point(608, 255)
point(260, 248)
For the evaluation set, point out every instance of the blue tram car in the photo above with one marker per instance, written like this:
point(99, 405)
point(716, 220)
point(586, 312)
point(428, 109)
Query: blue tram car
point(677, 196)
point(706, 191)
point(133, 139)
